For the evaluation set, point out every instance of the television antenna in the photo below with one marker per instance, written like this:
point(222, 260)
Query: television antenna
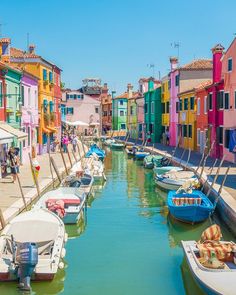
point(152, 66)
point(176, 45)
point(1, 25)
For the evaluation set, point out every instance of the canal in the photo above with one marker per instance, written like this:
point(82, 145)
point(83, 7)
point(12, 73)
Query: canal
point(127, 244)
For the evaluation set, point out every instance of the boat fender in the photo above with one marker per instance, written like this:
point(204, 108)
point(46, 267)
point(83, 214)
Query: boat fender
point(65, 237)
point(61, 265)
point(63, 252)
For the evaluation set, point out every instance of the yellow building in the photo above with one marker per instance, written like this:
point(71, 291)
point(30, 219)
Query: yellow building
point(187, 130)
point(42, 69)
point(165, 102)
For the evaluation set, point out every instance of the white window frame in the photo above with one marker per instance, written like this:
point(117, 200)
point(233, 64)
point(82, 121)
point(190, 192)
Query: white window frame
point(198, 106)
point(205, 105)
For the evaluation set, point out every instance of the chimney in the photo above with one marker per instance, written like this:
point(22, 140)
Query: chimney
point(150, 84)
point(32, 49)
point(217, 52)
point(113, 94)
point(173, 63)
point(105, 89)
point(130, 90)
point(5, 49)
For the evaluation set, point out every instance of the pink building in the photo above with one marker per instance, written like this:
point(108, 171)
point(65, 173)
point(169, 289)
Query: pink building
point(30, 118)
point(182, 79)
point(216, 105)
point(229, 102)
point(82, 107)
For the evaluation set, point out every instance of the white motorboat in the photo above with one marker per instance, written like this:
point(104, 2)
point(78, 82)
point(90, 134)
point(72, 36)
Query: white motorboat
point(84, 182)
point(109, 141)
point(66, 202)
point(31, 247)
point(165, 169)
point(211, 280)
point(174, 180)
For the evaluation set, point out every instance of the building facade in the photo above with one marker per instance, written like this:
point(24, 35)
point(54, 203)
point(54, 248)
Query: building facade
point(165, 102)
point(119, 112)
point(106, 105)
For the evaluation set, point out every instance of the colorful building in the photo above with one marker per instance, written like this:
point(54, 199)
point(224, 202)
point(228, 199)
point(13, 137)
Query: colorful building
point(43, 70)
point(3, 71)
point(229, 116)
point(216, 104)
point(82, 107)
point(30, 117)
point(165, 102)
point(187, 119)
point(106, 104)
point(57, 96)
point(201, 96)
point(152, 110)
point(119, 112)
point(181, 79)
point(132, 118)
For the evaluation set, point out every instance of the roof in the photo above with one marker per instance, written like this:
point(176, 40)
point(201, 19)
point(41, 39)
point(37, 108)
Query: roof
point(200, 86)
point(9, 66)
point(5, 137)
point(198, 64)
point(123, 95)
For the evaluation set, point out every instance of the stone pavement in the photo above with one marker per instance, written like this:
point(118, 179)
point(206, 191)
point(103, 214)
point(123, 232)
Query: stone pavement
point(230, 184)
point(11, 202)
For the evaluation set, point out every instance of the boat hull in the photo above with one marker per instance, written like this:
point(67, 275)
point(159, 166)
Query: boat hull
point(10, 277)
point(165, 169)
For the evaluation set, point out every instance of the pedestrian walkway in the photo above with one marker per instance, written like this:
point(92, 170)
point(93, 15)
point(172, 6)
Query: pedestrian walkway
point(11, 202)
point(230, 184)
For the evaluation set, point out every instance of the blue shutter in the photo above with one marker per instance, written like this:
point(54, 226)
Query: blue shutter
point(50, 77)
point(51, 106)
point(44, 75)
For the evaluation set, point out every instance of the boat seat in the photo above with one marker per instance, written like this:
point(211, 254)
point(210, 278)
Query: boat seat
point(187, 201)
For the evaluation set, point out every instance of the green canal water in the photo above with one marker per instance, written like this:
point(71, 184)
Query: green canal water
point(127, 244)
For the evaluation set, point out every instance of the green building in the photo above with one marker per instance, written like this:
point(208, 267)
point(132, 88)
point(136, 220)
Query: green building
point(119, 112)
point(153, 112)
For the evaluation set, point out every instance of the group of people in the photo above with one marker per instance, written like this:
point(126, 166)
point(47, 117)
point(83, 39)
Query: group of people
point(66, 139)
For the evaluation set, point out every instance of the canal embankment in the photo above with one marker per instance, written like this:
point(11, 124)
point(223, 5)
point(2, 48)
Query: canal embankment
point(11, 201)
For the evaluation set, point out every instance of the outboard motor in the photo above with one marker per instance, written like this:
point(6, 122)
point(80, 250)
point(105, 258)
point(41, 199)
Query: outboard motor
point(27, 259)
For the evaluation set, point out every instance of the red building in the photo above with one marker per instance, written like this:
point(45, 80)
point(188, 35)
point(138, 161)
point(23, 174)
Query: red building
point(106, 102)
point(3, 72)
point(57, 94)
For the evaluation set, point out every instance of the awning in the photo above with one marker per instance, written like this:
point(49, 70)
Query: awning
point(76, 123)
point(5, 137)
point(16, 132)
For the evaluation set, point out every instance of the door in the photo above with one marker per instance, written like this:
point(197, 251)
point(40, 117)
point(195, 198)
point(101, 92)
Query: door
point(202, 141)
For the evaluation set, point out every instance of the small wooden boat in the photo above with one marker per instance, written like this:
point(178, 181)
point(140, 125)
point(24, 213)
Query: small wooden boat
point(84, 182)
point(117, 145)
point(174, 180)
point(32, 246)
point(152, 160)
point(189, 207)
point(212, 280)
point(141, 154)
point(66, 202)
point(130, 150)
point(165, 169)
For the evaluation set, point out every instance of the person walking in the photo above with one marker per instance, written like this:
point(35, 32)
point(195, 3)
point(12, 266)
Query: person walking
point(65, 142)
point(74, 143)
point(167, 137)
point(13, 163)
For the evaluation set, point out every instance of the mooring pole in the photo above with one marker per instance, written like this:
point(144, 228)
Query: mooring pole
point(216, 176)
point(35, 179)
point(49, 155)
point(181, 158)
point(67, 149)
point(55, 168)
point(2, 220)
point(63, 160)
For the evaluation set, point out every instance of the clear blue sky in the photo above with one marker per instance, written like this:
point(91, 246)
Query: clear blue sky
point(116, 39)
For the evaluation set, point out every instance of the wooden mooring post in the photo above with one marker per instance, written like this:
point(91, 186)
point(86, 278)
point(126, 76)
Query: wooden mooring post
point(68, 153)
point(63, 159)
point(2, 220)
point(216, 176)
point(35, 178)
point(55, 168)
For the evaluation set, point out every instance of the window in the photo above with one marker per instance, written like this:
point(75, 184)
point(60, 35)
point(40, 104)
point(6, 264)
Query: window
point(75, 96)
point(205, 105)
point(70, 111)
point(110, 112)
point(177, 80)
point(22, 94)
point(198, 136)
point(50, 77)
point(169, 84)
point(185, 133)
point(230, 64)
point(226, 101)
point(167, 107)
point(152, 107)
point(151, 128)
point(210, 101)
point(190, 131)
point(163, 108)
point(51, 106)
point(186, 104)
point(198, 106)
point(145, 108)
point(191, 103)
point(227, 137)
point(131, 110)
point(23, 129)
point(71, 96)
point(180, 105)
point(45, 75)
point(28, 131)
point(219, 135)
point(121, 102)
point(123, 126)
point(96, 110)
point(220, 100)
point(122, 114)
point(177, 106)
